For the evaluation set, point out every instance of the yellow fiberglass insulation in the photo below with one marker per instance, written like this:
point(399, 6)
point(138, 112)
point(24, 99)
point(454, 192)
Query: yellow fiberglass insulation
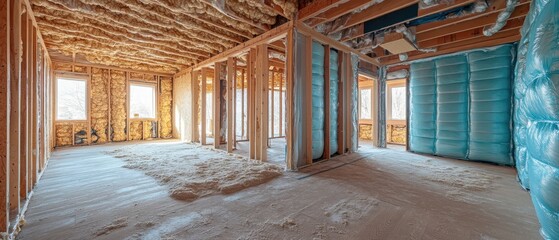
point(118, 105)
point(99, 105)
point(136, 130)
point(165, 105)
point(64, 136)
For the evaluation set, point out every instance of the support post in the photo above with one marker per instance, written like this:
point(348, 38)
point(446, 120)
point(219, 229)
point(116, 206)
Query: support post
point(326, 154)
point(24, 88)
point(308, 99)
point(289, 88)
point(203, 107)
point(251, 82)
point(230, 90)
point(4, 114)
point(15, 96)
point(217, 105)
point(341, 102)
point(194, 88)
point(262, 85)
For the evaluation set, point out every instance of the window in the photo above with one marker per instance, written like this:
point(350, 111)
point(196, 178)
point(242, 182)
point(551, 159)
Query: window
point(71, 101)
point(142, 100)
point(365, 103)
point(396, 100)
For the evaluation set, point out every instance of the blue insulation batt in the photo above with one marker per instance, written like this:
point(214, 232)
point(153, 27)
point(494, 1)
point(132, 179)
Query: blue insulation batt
point(333, 101)
point(317, 100)
point(490, 105)
point(537, 112)
point(452, 106)
point(423, 107)
point(461, 105)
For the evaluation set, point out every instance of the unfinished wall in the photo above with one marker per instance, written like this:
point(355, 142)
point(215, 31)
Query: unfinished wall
point(108, 104)
point(182, 104)
point(99, 105)
point(165, 107)
point(26, 126)
point(118, 106)
point(366, 131)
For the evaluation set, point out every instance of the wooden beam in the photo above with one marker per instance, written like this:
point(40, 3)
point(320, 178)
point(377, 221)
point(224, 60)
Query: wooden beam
point(512, 25)
point(15, 96)
point(251, 81)
point(494, 6)
point(326, 154)
point(203, 107)
point(376, 11)
point(497, 39)
point(217, 105)
point(308, 99)
point(61, 61)
point(261, 99)
point(195, 106)
point(4, 115)
point(34, 127)
point(24, 89)
point(265, 38)
point(289, 103)
point(306, 30)
point(317, 7)
point(229, 102)
point(272, 79)
point(341, 102)
point(349, 102)
point(490, 19)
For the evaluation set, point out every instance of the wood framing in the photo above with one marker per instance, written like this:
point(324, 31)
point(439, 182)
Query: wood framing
point(229, 102)
point(308, 99)
point(15, 96)
point(203, 106)
point(195, 85)
point(216, 84)
point(251, 81)
point(4, 115)
point(341, 103)
point(326, 154)
point(289, 87)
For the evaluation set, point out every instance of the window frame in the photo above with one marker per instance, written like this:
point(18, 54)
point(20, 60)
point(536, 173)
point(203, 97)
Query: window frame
point(396, 83)
point(74, 77)
point(155, 87)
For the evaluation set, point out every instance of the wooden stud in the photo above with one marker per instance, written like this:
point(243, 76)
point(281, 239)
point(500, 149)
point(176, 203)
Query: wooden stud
point(289, 102)
point(262, 75)
point(229, 102)
point(326, 154)
point(243, 78)
point(195, 106)
point(341, 102)
point(203, 107)
point(216, 105)
point(308, 100)
point(24, 161)
point(89, 97)
point(109, 127)
point(127, 76)
point(33, 108)
point(234, 119)
point(15, 96)
point(251, 81)
point(273, 78)
point(281, 105)
point(4, 115)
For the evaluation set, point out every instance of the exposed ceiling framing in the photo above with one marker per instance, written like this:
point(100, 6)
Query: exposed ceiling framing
point(153, 35)
point(449, 28)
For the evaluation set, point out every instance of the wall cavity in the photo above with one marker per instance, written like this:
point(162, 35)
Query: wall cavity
point(165, 107)
point(118, 106)
point(99, 105)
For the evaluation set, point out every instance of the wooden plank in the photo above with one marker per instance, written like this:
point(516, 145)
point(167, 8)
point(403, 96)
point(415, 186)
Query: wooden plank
point(308, 99)
point(4, 114)
point(326, 154)
point(378, 10)
point(512, 25)
point(34, 127)
point(494, 6)
point(15, 96)
point(302, 28)
point(267, 37)
point(349, 102)
point(495, 40)
point(289, 103)
point(490, 19)
point(272, 79)
point(264, 104)
point(24, 108)
point(341, 102)
point(317, 7)
point(229, 102)
point(195, 106)
point(203, 107)
point(281, 105)
point(251, 80)
point(216, 105)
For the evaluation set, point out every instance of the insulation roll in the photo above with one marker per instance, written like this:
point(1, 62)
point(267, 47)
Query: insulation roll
point(490, 105)
point(537, 112)
point(452, 106)
point(423, 107)
point(317, 100)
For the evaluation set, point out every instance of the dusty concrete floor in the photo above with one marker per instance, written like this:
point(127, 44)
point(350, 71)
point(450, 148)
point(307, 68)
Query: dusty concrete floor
point(375, 194)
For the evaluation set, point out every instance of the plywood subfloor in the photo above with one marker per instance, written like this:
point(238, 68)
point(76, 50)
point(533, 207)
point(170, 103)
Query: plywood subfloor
point(375, 194)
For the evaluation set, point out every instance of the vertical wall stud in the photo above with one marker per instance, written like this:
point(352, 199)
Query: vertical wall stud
point(230, 81)
point(217, 105)
point(326, 154)
point(203, 107)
